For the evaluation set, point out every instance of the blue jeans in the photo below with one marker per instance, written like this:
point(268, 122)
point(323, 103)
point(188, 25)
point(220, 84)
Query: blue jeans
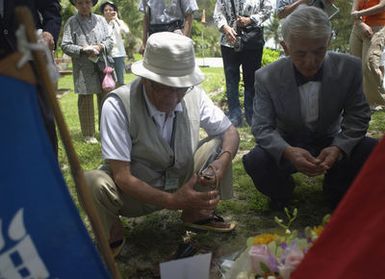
point(250, 61)
point(119, 69)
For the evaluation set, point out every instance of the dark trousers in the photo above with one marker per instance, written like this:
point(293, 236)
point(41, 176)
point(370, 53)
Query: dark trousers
point(276, 182)
point(250, 61)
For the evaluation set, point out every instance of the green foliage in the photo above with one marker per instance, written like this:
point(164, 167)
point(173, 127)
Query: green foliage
point(377, 124)
point(206, 39)
point(269, 56)
point(342, 25)
point(264, 267)
point(272, 30)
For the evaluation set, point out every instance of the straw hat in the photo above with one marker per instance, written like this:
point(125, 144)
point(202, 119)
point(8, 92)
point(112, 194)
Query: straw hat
point(169, 59)
point(93, 2)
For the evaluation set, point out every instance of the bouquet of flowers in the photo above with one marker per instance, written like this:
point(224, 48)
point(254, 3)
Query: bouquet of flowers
point(275, 255)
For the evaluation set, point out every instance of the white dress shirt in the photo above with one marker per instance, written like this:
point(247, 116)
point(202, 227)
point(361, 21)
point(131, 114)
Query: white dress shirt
point(309, 98)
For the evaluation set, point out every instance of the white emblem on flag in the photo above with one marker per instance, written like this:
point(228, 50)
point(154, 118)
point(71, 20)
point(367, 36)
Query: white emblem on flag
point(22, 259)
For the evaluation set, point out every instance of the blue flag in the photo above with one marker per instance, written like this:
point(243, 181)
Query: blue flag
point(41, 233)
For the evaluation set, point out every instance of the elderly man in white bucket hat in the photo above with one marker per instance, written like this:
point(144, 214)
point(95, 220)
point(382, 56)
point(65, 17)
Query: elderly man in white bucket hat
point(150, 144)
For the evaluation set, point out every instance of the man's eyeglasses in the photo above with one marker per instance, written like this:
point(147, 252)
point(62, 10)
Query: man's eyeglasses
point(164, 88)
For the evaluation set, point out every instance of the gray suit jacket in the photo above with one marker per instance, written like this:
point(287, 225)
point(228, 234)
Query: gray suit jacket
point(344, 114)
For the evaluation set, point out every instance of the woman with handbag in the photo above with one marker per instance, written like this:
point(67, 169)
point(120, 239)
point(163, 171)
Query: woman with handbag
point(119, 29)
point(86, 37)
point(240, 22)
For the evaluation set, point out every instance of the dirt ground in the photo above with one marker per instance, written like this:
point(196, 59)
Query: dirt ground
point(157, 237)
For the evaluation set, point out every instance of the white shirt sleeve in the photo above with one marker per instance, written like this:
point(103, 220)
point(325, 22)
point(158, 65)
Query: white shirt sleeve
point(213, 120)
point(116, 141)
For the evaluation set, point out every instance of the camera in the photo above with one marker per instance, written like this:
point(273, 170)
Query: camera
point(238, 44)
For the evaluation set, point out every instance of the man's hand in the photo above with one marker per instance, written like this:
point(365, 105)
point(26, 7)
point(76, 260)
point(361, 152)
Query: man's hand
point(303, 161)
point(329, 156)
point(48, 39)
point(229, 33)
point(218, 168)
point(186, 197)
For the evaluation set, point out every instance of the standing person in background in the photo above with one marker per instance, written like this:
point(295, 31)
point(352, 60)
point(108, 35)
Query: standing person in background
point(46, 14)
point(248, 13)
point(167, 15)
point(85, 36)
point(367, 42)
point(119, 28)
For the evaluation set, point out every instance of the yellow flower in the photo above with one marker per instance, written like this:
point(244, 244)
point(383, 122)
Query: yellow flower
point(264, 238)
point(318, 230)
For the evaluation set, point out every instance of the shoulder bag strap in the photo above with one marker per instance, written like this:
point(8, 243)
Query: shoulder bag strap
point(81, 27)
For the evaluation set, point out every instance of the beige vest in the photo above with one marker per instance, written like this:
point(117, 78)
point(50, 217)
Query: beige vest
point(152, 158)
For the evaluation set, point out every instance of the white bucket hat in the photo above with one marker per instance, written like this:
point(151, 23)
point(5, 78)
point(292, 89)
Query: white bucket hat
point(169, 59)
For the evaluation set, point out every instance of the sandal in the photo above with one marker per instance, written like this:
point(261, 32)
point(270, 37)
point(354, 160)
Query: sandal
point(214, 223)
point(117, 246)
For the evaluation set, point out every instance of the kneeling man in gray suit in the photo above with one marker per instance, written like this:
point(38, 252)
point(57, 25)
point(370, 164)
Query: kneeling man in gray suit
point(310, 113)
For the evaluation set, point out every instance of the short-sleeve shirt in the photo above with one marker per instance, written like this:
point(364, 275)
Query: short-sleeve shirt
point(115, 138)
point(166, 11)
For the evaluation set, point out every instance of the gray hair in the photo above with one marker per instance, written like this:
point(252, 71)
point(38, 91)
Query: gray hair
point(306, 22)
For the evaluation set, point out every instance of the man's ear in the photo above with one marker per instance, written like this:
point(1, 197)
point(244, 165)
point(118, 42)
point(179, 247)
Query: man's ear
point(285, 48)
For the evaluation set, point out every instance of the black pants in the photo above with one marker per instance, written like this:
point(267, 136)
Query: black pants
point(276, 182)
point(250, 61)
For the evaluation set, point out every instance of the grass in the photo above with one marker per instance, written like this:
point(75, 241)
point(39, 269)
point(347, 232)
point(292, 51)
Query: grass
point(154, 238)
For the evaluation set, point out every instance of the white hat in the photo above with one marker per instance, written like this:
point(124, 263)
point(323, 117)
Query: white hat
point(169, 59)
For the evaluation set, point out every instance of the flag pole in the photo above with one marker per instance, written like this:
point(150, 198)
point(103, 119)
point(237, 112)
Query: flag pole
point(25, 18)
